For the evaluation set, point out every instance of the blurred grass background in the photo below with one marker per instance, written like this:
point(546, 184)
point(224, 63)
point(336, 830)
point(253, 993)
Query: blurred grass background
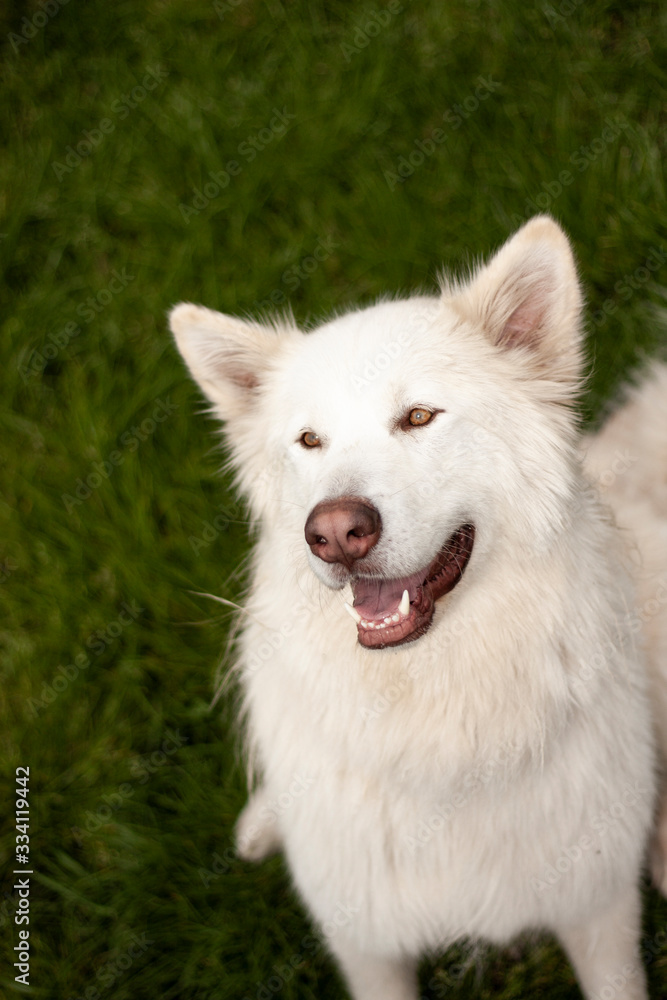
point(114, 117)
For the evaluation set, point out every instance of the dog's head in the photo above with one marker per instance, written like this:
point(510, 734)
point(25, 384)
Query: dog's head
point(396, 446)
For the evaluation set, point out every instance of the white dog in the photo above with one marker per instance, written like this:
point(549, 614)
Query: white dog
point(473, 754)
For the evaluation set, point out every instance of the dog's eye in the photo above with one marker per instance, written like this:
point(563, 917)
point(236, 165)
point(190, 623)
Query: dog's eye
point(419, 416)
point(309, 439)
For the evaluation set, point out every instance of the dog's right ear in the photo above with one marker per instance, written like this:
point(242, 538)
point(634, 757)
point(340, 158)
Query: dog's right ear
point(527, 300)
point(227, 357)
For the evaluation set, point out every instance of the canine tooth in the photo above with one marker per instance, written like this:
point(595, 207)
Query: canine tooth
point(352, 612)
point(404, 606)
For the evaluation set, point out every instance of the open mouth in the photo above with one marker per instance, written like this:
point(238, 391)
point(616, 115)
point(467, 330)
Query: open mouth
point(392, 612)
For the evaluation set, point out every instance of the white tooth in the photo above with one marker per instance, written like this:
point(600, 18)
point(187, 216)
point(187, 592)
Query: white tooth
point(404, 606)
point(387, 621)
point(352, 612)
point(396, 617)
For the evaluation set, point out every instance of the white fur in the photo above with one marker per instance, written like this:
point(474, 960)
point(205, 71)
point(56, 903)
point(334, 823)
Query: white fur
point(498, 774)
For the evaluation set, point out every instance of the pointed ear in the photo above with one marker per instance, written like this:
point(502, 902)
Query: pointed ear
point(528, 298)
point(227, 357)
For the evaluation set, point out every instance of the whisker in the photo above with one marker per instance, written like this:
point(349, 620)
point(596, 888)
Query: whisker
point(221, 600)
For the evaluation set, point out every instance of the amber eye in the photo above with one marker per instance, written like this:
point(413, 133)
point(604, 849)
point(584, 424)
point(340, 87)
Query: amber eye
point(309, 439)
point(419, 416)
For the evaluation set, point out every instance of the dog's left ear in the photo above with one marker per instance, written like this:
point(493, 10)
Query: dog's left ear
point(528, 298)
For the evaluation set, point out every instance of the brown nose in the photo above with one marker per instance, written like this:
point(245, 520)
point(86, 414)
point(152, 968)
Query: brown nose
point(343, 530)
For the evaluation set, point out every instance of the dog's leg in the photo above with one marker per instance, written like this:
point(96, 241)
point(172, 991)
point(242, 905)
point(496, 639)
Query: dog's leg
point(257, 834)
point(605, 951)
point(376, 977)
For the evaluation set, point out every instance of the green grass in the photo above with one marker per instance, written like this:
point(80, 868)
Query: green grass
point(125, 815)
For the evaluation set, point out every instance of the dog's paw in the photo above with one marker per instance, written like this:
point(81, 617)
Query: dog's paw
point(257, 834)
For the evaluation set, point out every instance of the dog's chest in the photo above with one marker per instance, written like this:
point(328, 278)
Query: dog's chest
point(398, 829)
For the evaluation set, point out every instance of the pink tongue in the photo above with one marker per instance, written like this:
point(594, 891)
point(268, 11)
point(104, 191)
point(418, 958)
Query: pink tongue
point(380, 598)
